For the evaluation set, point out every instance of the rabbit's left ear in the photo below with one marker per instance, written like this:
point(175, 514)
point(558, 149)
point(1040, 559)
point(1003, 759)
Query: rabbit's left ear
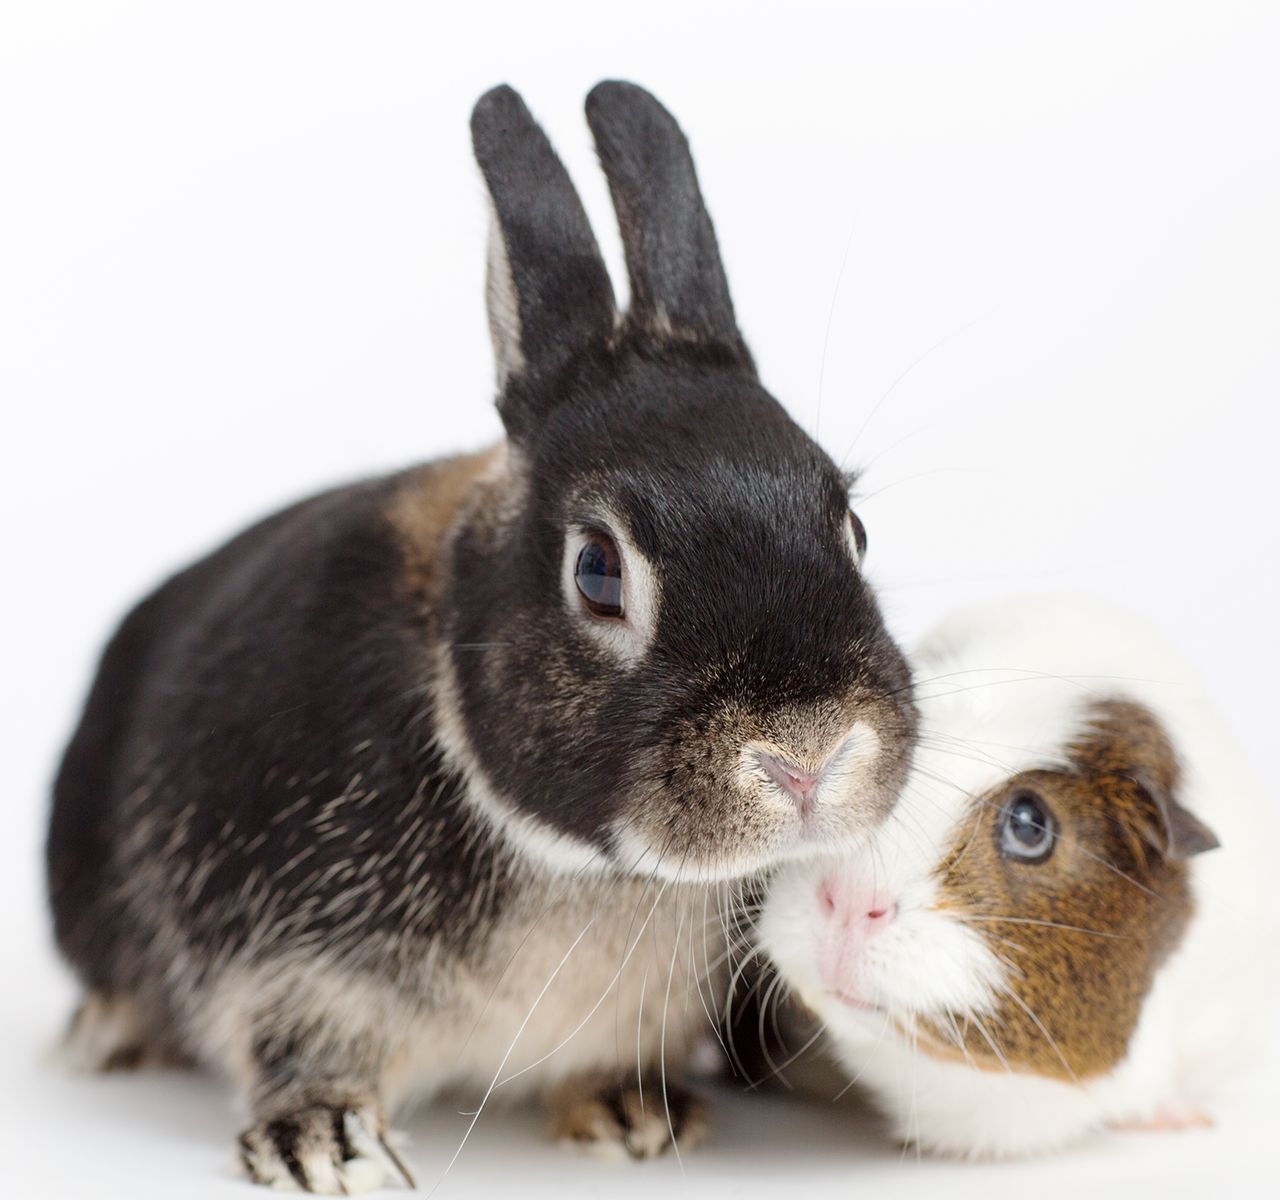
point(678, 285)
point(548, 290)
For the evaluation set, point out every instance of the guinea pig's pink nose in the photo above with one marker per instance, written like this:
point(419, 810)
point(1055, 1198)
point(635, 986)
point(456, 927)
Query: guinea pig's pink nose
point(799, 785)
point(855, 907)
point(851, 915)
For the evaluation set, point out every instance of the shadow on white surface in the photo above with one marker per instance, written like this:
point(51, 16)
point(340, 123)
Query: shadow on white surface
point(162, 1134)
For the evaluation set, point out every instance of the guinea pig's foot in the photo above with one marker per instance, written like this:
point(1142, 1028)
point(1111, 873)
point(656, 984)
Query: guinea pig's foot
point(1164, 1120)
point(330, 1150)
point(620, 1120)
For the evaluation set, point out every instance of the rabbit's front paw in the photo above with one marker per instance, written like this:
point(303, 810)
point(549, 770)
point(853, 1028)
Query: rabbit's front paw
point(331, 1150)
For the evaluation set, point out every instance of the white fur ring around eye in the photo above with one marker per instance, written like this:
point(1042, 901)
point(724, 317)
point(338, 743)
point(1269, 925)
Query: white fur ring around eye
point(609, 587)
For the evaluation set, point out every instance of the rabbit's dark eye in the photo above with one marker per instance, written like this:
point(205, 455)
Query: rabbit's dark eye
point(1028, 830)
point(858, 536)
point(598, 575)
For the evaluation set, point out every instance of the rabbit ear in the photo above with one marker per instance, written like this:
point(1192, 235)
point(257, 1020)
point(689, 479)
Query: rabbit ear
point(678, 286)
point(549, 293)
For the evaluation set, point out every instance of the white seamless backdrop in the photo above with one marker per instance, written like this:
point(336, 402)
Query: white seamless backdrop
point(1020, 262)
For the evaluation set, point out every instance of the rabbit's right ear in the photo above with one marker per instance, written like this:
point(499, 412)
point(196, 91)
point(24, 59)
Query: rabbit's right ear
point(549, 293)
point(678, 285)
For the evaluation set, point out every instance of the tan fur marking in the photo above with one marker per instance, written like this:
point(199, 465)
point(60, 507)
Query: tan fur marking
point(425, 507)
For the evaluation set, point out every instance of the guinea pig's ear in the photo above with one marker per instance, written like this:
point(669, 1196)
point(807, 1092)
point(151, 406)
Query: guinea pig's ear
point(678, 285)
point(549, 293)
point(1182, 834)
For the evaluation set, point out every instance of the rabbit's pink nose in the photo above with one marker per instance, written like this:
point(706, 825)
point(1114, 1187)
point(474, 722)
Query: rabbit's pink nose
point(799, 785)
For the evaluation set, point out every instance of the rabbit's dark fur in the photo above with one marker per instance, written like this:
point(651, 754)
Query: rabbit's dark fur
point(346, 791)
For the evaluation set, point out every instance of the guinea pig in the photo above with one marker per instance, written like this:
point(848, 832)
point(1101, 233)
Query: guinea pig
point(1045, 938)
point(424, 781)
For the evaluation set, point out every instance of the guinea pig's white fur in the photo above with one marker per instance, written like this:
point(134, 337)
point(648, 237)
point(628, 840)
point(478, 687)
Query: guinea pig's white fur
point(1002, 688)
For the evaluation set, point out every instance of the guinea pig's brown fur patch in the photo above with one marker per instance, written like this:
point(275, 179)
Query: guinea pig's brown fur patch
point(1083, 932)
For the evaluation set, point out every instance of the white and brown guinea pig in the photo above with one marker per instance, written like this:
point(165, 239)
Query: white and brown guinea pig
point(1066, 924)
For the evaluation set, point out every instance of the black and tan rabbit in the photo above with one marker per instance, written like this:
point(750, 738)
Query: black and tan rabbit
point(423, 782)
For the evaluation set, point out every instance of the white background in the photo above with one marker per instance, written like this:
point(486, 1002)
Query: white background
point(1020, 260)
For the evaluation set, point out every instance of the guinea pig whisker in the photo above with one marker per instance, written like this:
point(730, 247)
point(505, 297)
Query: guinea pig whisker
point(939, 740)
point(989, 1039)
point(920, 837)
point(695, 981)
point(707, 967)
point(740, 951)
point(558, 895)
point(857, 1076)
point(722, 898)
point(617, 975)
point(968, 751)
point(726, 911)
point(786, 1062)
point(644, 986)
point(936, 777)
point(774, 1070)
point(648, 883)
point(915, 684)
point(865, 497)
point(913, 1121)
point(735, 925)
point(893, 387)
point(758, 984)
point(644, 991)
point(725, 956)
point(1016, 947)
point(1110, 866)
point(612, 983)
point(644, 981)
point(998, 919)
point(493, 1083)
point(752, 953)
point(1048, 1037)
point(737, 941)
point(688, 983)
point(974, 824)
point(961, 1044)
point(1021, 675)
point(865, 466)
point(662, 1050)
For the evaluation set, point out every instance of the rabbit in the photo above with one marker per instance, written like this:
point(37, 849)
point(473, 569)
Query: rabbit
point(422, 782)
point(1038, 943)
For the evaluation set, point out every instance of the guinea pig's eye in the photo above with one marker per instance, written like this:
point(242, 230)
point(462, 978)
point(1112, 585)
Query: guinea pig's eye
point(857, 536)
point(1028, 829)
point(598, 575)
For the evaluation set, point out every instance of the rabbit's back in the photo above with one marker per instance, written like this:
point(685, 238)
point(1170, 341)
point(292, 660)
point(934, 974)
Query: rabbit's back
point(256, 754)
